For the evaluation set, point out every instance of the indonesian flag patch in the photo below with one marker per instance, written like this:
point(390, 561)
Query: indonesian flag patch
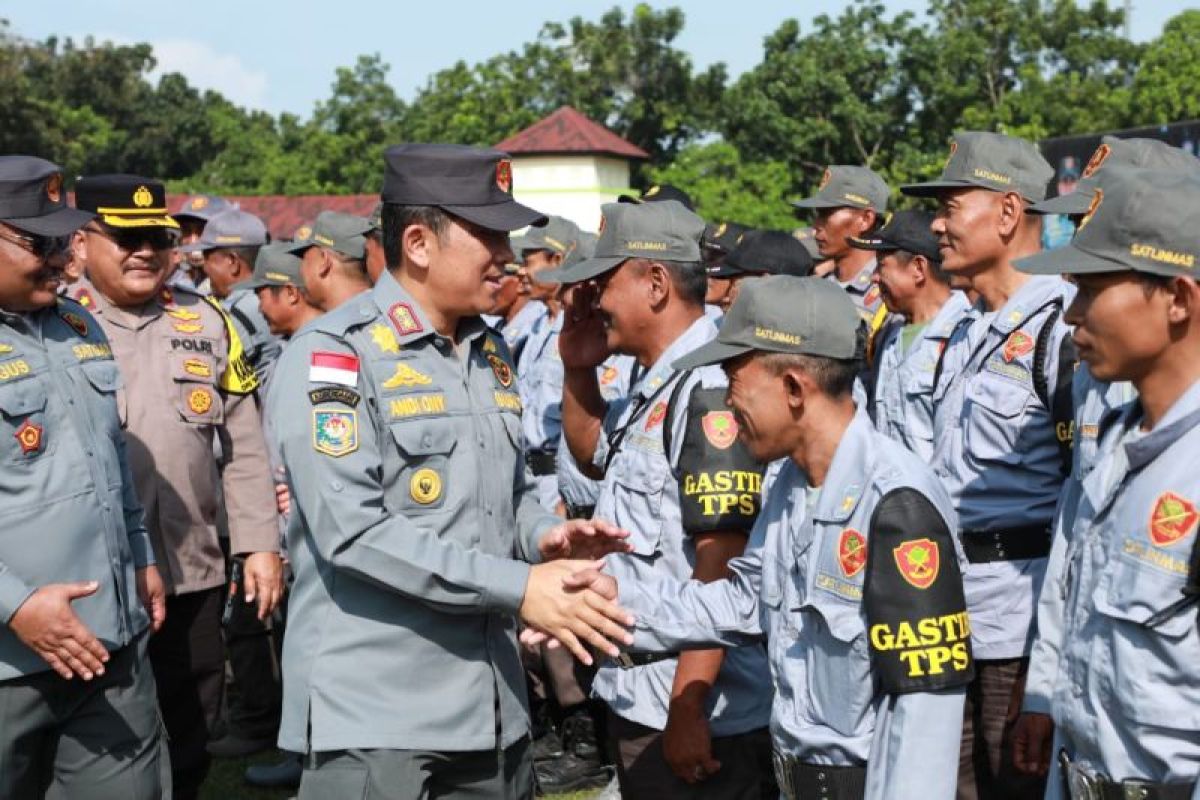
point(327, 367)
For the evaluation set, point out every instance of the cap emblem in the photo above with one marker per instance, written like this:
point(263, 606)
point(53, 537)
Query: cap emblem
point(720, 231)
point(602, 224)
point(199, 203)
point(953, 150)
point(54, 187)
point(1097, 199)
point(303, 232)
point(825, 179)
point(142, 197)
point(653, 190)
point(504, 175)
point(1097, 160)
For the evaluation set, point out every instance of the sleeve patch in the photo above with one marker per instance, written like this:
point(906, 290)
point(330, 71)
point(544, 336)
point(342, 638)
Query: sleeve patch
point(720, 485)
point(919, 631)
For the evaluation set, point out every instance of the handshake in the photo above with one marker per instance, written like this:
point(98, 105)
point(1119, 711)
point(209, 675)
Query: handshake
point(569, 601)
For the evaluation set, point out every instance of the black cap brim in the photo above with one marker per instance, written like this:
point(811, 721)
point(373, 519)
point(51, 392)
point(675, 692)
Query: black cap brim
point(725, 270)
point(935, 188)
point(1071, 204)
point(712, 352)
point(511, 216)
point(877, 245)
point(583, 271)
point(57, 223)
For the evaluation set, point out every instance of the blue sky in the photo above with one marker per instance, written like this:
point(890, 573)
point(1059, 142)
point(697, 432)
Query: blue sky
point(281, 56)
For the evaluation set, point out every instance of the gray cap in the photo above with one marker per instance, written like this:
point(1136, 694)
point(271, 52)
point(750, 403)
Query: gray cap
point(990, 161)
point(336, 230)
point(202, 207)
point(231, 228)
point(844, 186)
point(665, 230)
point(1138, 220)
point(1150, 153)
point(785, 314)
point(275, 266)
point(558, 235)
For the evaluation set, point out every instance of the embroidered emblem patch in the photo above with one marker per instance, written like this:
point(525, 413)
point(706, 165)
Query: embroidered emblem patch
point(5, 348)
point(402, 316)
point(720, 428)
point(384, 338)
point(200, 401)
point(334, 394)
point(502, 369)
point(29, 437)
point(406, 376)
point(871, 297)
point(183, 314)
point(1097, 199)
point(825, 178)
point(918, 562)
point(335, 433)
point(609, 375)
point(1097, 160)
point(198, 203)
point(77, 323)
point(425, 486)
point(188, 327)
point(852, 552)
point(166, 297)
point(54, 188)
point(1018, 344)
point(504, 175)
point(194, 366)
point(142, 198)
point(1173, 518)
point(489, 345)
point(85, 298)
point(656, 416)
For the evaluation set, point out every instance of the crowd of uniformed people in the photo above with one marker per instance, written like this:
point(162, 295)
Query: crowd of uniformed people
point(898, 505)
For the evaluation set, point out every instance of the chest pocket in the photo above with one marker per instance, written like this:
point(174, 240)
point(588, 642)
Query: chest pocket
point(840, 685)
point(105, 379)
point(996, 412)
point(639, 483)
point(425, 481)
point(24, 438)
point(195, 387)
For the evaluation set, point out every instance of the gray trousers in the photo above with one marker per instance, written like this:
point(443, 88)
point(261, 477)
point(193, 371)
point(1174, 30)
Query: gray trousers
point(420, 774)
point(100, 739)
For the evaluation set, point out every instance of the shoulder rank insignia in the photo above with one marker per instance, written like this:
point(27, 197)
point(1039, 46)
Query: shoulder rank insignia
point(1018, 344)
point(1172, 519)
point(918, 562)
point(406, 376)
point(852, 552)
point(609, 375)
point(656, 416)
point(335, 433)
point(425, 487)
point(402, 316)
point(183, 314)
point(84, 298)
point(188, 327)
point(77, 323)
point(166, 297)
point(5, 348)
point(503, 371)
point(720, 428)
point(384, 338)
point(29, 437)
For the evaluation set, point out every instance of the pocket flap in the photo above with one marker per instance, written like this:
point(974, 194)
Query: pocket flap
point(844, 620)
point(104, 376)
point(22, 398)
point(424, 437)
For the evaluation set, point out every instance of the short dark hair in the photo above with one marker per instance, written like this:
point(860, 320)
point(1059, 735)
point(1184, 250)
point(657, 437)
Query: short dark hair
point(935, 267)
point(246, 253)
point(689, 279)
point(396, 218)
point(1151, 282)
point(833, 376)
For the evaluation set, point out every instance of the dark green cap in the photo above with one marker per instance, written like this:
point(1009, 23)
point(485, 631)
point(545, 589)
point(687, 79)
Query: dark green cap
point(276, 266)
point(1138, 220)
point(990, 161)
point(844, 186)
point(558, 235)
point(665, 230)
point(1149, 153)
point(337, 231)
point(784, 314)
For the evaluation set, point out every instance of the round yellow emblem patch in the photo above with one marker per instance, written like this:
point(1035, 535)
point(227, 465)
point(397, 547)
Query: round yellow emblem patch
point(425, 486)
point(200, 401)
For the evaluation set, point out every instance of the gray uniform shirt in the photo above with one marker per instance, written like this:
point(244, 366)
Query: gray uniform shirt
point(576, 488)
point(410, 502)
point(70, 512)
point(800, 585)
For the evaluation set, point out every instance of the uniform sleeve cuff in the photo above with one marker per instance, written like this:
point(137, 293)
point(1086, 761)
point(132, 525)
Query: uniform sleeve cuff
point(1035, 703)
point(141, 550)
point(506, 585)
point(13, 594)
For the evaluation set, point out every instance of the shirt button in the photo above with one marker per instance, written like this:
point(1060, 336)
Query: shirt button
point(337, 486)
point(426, 440)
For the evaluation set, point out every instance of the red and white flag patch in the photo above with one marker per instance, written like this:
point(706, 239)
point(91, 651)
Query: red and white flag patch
point(328, 367)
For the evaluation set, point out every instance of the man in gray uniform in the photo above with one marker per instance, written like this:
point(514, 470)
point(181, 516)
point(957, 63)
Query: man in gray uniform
point(413, 517)
point(1002, 414)
point(673, 474)
point(906, 351)
point(1114, 664)
point(851, 574)
point(78, 581)
point(333, 259)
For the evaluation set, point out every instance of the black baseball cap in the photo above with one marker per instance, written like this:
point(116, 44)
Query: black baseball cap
point(474, 183)
point(766, 253)
point(659, 193)
point(905, 230)
point(722, 237)
point(32, 198)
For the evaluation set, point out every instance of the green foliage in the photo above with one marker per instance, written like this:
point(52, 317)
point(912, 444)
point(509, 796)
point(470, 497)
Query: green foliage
point(1165, 88)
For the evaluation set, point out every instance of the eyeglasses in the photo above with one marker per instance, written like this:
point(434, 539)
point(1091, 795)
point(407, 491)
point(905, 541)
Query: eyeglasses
point(36, 244)
point(133, 238)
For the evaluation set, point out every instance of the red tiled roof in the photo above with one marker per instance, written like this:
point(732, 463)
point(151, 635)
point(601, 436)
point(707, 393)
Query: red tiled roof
point(282, 214)
point(568, 131)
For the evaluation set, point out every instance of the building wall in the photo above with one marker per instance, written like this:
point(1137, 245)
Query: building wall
point(571, 186)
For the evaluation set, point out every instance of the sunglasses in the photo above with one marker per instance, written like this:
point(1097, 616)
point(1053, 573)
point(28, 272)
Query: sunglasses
point(36, 244)
point(133, 238)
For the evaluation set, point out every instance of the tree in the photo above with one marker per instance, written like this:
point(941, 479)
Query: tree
point(1165, 86)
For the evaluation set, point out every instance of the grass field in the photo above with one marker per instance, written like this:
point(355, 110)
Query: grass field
point(225, 783)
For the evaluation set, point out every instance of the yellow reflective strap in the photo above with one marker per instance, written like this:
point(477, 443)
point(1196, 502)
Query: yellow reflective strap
point(238, 377)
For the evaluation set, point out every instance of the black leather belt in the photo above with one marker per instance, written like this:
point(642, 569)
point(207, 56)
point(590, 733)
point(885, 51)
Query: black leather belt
point(580, 512)
point(631, 660)
point(799, 781)
point(1006, 544)
point(542, 462)
point(1079, 784)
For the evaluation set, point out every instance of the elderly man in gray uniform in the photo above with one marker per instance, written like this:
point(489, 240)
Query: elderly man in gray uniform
point(1002, 406)
point(674, 475)
point(333, 256)
point(413, 517)
point(914, 286)
point(78, 581)
point(1114, 664)
point(852, 574)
